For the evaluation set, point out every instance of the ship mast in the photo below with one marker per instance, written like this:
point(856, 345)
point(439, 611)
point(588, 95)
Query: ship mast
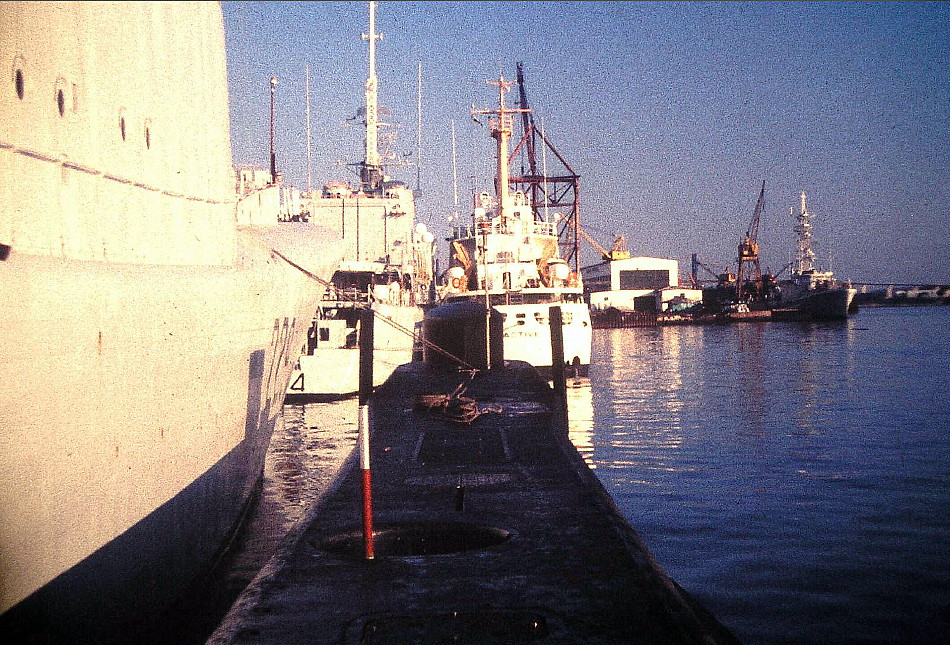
point(501, 127)
point(806, 257)
point(371, 171)
point(309, 150)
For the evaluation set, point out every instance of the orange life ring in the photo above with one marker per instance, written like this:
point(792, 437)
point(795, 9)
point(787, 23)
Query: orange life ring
point(457, 283)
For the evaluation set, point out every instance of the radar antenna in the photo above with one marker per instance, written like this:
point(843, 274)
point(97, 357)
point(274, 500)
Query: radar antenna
point(371, 171)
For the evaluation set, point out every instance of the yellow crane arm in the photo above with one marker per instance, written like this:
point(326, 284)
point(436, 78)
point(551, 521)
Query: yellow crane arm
point(619, 252)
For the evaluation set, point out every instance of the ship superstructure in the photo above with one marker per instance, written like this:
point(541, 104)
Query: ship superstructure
point(509, 260)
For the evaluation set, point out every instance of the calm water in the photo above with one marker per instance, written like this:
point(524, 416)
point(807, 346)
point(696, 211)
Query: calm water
point(305, 454)
point(794, 477)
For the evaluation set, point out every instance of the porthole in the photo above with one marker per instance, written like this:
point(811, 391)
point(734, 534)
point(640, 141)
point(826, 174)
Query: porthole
point(18, 77)
point(122, 124)
point(61, 88)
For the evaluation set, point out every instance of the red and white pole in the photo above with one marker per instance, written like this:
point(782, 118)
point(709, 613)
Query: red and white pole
point(367, 483)
point(365, 390)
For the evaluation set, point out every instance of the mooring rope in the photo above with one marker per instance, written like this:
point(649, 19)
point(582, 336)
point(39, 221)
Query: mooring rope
point(395, 325)
point(399, 327)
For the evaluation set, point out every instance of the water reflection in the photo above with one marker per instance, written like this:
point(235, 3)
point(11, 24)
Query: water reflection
point(638, 380)
point(580, 416)
point(801, 467)
point(751, 396)
point(823, 365)
point(637, 397)
point(804, 381)
point(304, 457)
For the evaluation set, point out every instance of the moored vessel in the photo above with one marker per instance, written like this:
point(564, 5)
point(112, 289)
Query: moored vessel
point(508, 261)
point(810, 293)
point(152, 314)
point(387, 268)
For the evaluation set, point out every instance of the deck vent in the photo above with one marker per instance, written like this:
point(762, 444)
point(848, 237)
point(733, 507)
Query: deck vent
point(418, 539)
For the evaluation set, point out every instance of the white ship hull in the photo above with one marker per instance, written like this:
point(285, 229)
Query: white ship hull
point(151, 319)
point(331, 369)
point(527, 334)
point(455, 334)
point(137, 405)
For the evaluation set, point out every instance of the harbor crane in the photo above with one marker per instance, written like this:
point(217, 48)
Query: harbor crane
point(618, 252)
point(723, 277)
point(749, 273)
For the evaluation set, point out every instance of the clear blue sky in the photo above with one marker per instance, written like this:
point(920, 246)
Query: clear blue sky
point(672, 113)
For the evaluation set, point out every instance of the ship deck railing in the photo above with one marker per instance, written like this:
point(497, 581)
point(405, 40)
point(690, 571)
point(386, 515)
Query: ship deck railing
point(345, 298)
point(504, 226)
point(543, 296)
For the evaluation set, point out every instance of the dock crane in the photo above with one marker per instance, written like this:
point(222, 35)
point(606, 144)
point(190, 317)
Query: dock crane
point(749, 274)
point(722, 278)
point(618, 252)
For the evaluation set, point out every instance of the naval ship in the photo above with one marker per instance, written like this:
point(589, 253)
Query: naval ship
point(387, 269)
point(508, 261)
point(152, 314)
point(810, 293)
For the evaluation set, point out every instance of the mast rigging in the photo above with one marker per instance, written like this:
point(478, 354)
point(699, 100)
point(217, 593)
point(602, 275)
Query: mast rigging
point(545, 191)
point(371, 171)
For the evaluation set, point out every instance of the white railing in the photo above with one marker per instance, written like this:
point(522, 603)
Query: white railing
point(505, 226)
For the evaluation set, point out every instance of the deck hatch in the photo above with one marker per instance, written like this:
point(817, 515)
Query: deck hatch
point(410, 539)
point(498, 627)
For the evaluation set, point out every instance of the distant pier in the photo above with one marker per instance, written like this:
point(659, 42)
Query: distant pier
point(488, 528)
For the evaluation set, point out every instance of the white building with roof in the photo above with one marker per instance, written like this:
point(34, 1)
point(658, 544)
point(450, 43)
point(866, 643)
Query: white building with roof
point(642, 284)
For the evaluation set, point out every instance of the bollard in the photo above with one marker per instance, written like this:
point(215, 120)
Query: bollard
point(557, 355)
point(365, 390)
point(496, 339)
